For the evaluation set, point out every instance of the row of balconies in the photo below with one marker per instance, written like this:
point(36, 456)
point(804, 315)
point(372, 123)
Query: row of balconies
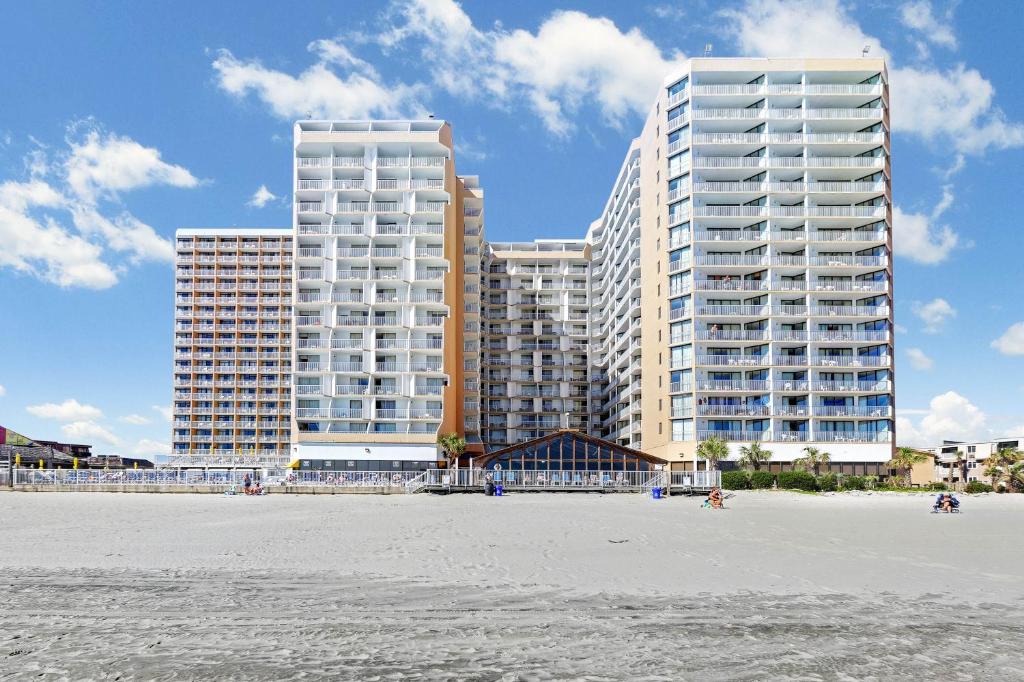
point(358, 207)
point(772, 284)
point(343, 389)
point(765, 260)
point(782, 386)
point(424, 367)
point(360, 414)
point(781, 435)
point(799, 162)
point(407, 251)
point(396, 320)
point(366, 230)
point(797, 138)
point(766, 310)
point(209, 259)
point(231, 244)
point(209, 424)
point(364, 184)
point(230, 273)
point(369, 344)
point(775, 211)
point(779, 335)
point(206, 410)
point(234, 287)
point(779, 89)
point(758, 410)
point(222, 326)
point(252, 300)
point(384, 275)
point(780, 187)
point(740, 360)
point(361, 162)
point(723, 235)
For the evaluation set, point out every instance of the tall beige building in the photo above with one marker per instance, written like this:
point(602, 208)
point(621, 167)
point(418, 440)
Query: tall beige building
point(765, 241)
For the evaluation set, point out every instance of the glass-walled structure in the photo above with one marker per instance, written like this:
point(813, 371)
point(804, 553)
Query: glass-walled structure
point(568, 451)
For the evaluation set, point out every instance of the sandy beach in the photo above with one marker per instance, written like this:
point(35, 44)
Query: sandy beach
point(529, 586)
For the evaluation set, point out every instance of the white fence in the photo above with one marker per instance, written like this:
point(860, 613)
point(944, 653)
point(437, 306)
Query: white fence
point(412, 481)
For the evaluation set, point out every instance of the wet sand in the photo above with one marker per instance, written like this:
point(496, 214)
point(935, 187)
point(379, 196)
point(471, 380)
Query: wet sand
point(529, 586)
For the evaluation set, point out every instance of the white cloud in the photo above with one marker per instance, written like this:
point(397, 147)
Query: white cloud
point(134, 419)
point(38, 245)
point(918, 237)
point(934, 314)
point(798, 28)
point(3, 391)
point(900, 329)
point(84, 431)
point(124, 233)
point(573, 59)
point(318, 91)
point(83, 183)
point(69, 410)
point(147, 447)
point(950, 416)
point(1012, 340)
point(103, 163)
point(918, 15)
point(261, 197)
point(918, 359)
point(667, 12)
point(165, 411)
point(944, 107)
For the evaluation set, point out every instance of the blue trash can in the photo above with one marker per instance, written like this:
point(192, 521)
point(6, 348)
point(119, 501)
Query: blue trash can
point(656, 493)
point(499, 490)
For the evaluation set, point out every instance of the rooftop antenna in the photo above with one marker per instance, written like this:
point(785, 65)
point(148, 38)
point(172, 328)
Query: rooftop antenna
point(707, 49)
point(864, 52)
point(430, 116)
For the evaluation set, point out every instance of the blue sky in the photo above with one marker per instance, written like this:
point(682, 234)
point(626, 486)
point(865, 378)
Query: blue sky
point(131, 120)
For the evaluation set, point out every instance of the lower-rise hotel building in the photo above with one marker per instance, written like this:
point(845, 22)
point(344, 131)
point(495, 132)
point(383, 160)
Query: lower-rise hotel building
point(232, 346)
point(737, 284)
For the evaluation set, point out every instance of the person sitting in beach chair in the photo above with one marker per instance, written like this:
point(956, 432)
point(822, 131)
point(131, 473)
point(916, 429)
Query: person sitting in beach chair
point(714, 500)
point(257, 489)
point(945, 502)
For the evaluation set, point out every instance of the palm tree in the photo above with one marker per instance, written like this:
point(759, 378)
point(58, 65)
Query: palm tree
point(1000, 466)
point(714, 450)
point(813, 459)
point(1015, 477)
point(754, 455)
point(905, 459)
point(453, 447)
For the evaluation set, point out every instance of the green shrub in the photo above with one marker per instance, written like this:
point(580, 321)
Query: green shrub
point(938, 485)
point(761, 479)
point(827, 483)
point(977, 487)
point(797, 480)
point(854, 483)
point(735, 480)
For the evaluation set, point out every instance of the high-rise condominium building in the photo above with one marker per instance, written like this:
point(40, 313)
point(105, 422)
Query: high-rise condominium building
point(765, 299)
point(738, 284)
point(536, 334)
point(232, 346)
point(386, 343)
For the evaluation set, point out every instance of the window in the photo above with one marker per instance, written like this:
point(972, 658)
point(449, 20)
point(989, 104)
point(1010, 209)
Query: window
point(681, 86)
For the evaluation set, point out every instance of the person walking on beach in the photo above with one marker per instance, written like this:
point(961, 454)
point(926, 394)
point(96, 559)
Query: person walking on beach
point(246, 483)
